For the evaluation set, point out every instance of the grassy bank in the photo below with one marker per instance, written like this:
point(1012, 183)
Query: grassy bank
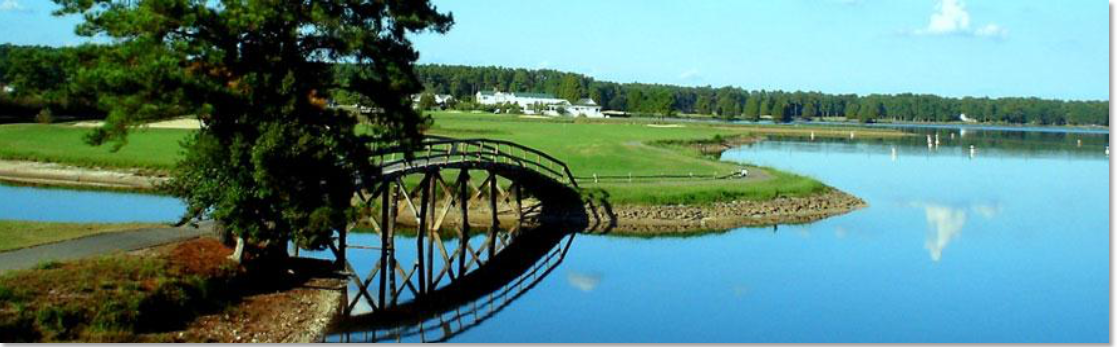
point(114, 298)
point(603, 147)
point(147, 149)
point(637, 147)
point(19, 234)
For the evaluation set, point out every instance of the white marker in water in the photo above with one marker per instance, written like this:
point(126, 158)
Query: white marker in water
point(1079, 142)
point(893, 153)
point(1107, 151)
point(936, 139)
point(851, 134)
point(929, 142)
point(973, 150)
point(812, 136)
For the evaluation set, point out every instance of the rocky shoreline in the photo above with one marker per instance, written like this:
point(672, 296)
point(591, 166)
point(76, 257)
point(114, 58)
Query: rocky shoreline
point(680, 219)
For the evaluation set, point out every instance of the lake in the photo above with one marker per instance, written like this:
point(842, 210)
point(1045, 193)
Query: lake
point(1005, 243)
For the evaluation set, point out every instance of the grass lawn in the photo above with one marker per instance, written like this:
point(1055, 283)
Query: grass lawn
point(148, 149)
point(606, 147)
point(20, 234)
point(619, 147)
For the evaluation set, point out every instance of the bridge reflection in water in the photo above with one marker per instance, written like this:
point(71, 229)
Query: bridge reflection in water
point(464, 228)
point(466, 303)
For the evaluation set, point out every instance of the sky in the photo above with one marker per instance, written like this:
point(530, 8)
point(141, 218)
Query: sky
point(996, 48)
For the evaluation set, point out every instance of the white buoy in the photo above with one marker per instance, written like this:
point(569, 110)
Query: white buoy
point(1079, 142)
point(951, 136)
point(1107, 151)
point(893, 153)
point(973, 150)
point(851, 135)
point(936, 139)
point(929, 142)
point(812, 136)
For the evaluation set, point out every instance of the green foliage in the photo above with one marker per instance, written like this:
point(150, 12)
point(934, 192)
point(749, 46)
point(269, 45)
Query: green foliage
point(426, 102)
point(42, 77)
point(730, 102)
point(45, 116)
point(103, 299)
point(258, 75)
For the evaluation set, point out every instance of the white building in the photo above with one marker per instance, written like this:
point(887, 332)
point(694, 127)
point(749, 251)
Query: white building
point(553, 106)
point(439, 99)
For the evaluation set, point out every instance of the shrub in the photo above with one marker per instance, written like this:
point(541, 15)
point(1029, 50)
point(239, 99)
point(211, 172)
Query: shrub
point(45, 116)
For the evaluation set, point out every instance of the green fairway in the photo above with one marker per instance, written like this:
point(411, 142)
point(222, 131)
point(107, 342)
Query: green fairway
point(149, 149)
point(20, 234)
point(616, 148)
point(623, 147)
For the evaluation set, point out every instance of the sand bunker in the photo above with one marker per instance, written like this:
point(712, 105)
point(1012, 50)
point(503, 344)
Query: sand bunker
point(182, 123)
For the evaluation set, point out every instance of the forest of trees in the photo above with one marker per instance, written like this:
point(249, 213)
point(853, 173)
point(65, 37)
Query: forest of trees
point(736, 103)
point(47, 77)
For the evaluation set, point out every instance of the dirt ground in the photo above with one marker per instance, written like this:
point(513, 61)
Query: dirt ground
point(287, 304)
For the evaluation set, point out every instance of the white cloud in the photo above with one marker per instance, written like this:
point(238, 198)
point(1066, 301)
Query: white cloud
point(945, 224)
point(989, 211)
point(951, 18)
point(991, 30)
point(688, 74)
point(11, 5)
point(584, 282)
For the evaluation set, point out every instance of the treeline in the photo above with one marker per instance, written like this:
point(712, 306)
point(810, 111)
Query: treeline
point(735, 103)
point(34, 78)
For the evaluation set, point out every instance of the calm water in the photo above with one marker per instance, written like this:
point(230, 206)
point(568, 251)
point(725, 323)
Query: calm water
point(1009, 245)
point(64, 205)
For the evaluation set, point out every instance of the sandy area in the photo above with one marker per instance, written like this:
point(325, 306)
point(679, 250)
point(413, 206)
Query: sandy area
point(29, 172)
point(181, 123)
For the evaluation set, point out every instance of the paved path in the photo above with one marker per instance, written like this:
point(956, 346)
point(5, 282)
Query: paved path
point(27, 258)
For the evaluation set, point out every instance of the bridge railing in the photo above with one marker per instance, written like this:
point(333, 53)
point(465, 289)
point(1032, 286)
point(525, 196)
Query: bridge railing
point(443, 150)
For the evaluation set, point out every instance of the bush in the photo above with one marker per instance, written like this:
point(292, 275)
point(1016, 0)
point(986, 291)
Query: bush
point(45, 116)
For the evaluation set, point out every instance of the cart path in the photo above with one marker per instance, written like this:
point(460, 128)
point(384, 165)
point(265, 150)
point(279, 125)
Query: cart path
point(100, 244)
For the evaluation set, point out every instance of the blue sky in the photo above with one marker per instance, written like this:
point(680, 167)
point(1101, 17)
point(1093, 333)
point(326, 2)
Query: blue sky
point(1050, 49)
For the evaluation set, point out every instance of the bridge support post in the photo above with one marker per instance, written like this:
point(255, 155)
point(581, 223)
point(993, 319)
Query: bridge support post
point(424, 198)
point(386, 226)
point(463, 230)
point(492, 207)
point(519, 207)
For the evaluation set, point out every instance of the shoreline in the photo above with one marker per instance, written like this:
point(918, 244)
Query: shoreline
point(681, 220)
point(67, 176)
point(616, 219)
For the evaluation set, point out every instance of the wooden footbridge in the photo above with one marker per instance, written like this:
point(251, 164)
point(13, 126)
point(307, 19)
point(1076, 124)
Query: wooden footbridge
point(454, 205)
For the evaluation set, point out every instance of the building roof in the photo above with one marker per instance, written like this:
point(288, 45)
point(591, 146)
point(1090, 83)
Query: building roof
point(534, 95)
point(586, 102)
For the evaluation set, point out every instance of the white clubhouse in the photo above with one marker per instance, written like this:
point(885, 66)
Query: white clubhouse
point(551, 105)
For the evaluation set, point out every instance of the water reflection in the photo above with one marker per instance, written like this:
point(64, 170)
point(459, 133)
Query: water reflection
point(480, 295)
point(945, 223)
point(583, 281)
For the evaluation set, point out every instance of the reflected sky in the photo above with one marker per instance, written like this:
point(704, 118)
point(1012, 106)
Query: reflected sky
point(64, 205)
point(583, 281)
point(1011, 245)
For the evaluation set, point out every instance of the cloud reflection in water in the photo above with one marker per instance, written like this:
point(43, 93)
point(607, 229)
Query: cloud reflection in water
point(582, 281)
point(946, 223)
